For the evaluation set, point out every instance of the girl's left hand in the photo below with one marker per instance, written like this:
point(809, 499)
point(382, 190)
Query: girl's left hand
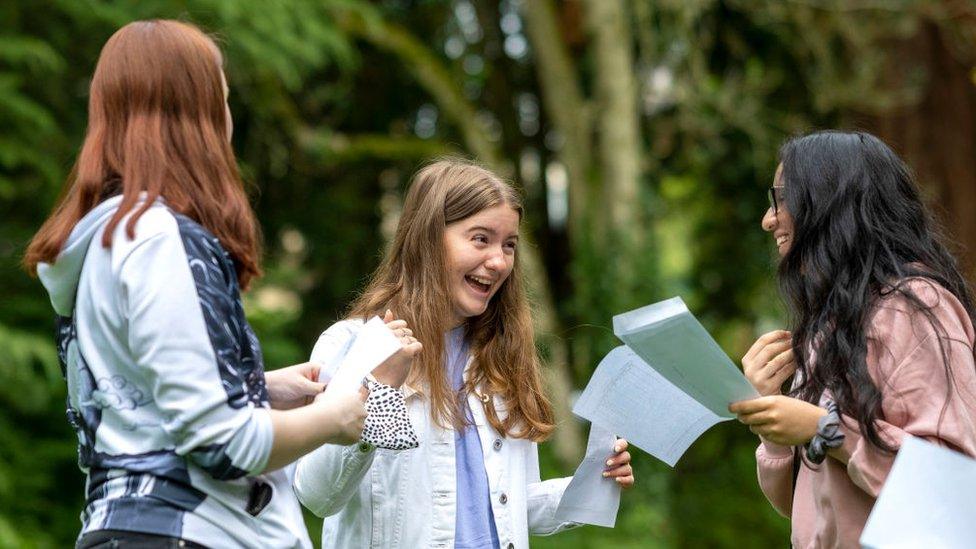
point(618, 466)
point(293, 386)
point(780, 419)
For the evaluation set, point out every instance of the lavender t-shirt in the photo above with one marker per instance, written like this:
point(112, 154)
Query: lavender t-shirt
point(475, 525)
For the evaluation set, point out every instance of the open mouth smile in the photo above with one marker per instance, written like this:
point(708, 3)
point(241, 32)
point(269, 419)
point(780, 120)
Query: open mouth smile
point(480, 284)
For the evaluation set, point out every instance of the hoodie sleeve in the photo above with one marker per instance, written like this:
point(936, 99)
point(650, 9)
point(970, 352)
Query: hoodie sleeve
point(186, 332)
point(775, 467)
point(926, 374)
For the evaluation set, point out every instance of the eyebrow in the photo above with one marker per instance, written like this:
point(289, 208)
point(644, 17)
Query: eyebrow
point(491, 231)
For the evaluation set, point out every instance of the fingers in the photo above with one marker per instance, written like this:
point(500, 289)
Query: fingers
point(388, 317)
point(750, 406)
point(769, 432)
point(622, 458)
point(398, 327)
point(764, 340)
point(625, 482)
point(624, 470)
point(397, 324)
point(622, 475)
point(618, 465)
point(405, 335)
point(310, 370)
point(783, 374)
point(312, 387)
point(412, 347)
point(758, 418)
point(767, 353)
point(780, 361)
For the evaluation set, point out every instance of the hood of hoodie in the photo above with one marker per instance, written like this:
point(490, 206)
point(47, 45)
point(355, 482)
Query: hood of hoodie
point(60, 278)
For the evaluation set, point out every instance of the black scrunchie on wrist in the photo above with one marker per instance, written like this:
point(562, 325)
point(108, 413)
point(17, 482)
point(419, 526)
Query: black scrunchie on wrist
point(828, 435)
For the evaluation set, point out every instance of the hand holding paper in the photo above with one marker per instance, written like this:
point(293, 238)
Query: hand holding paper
point(373, 345)
point(394, 370)
point(590, 497)
point(618, 465)
point(669, 384)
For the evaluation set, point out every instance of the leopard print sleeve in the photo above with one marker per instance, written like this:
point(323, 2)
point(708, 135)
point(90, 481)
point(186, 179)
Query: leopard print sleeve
point(387, 423)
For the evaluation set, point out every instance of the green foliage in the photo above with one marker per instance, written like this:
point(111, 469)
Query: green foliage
point(33, 448)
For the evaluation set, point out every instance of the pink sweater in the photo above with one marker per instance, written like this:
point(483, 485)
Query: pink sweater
point(833, 501)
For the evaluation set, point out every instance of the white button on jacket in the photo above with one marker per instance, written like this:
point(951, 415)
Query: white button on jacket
point(406, 499)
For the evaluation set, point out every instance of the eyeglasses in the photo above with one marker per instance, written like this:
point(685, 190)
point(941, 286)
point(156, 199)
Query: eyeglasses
point(775, 196)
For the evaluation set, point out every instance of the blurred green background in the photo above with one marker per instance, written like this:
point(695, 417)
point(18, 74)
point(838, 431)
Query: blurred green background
point(642, 132)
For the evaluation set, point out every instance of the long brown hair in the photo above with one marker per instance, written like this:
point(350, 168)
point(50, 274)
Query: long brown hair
point(157, 123)
point(412, 281)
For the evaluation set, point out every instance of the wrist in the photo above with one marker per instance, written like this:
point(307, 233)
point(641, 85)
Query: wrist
point(814, 423)
point(325, 421)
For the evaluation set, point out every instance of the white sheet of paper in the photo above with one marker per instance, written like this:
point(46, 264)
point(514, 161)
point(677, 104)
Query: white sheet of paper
point(628, 397)
point(373, 344)
point(672, 341)
point(590, 498)
point(927, 500)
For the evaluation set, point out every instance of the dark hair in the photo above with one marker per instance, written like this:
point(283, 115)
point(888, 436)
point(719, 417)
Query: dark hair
point(860, 232)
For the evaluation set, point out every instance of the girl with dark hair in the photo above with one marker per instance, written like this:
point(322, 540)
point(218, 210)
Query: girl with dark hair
point(881, 345)
point(475, 394)
point(181, 434)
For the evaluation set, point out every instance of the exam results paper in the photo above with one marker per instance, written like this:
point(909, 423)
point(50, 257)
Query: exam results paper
point(590, 497)
point(373, 344)
point(669, 384)
point(926, 501)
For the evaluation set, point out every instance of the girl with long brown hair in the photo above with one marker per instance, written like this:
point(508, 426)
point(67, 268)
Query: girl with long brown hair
point(181, 434)
point(474, 394)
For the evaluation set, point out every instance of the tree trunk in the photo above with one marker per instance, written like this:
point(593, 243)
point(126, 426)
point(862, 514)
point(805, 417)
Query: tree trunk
point(937, 136)
point(620, 141)
point(564, 104)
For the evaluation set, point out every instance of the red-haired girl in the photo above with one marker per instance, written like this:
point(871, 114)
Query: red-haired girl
point(143, 258)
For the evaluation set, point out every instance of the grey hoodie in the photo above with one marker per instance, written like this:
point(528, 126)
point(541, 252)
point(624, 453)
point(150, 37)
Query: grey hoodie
point(166, 385)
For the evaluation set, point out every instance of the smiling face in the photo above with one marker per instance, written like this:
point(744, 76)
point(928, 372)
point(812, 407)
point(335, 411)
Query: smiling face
point(480, 254)
point(780, 223)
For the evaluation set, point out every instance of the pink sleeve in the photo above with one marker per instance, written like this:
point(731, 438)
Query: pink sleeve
point(915, 389)
point(775, 465)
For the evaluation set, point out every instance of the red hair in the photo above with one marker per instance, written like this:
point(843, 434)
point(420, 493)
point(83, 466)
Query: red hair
point(157, 124)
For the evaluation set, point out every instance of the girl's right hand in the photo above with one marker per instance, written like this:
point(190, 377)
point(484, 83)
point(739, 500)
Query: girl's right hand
point(394, 370)
point(769, 362)
point(347, 413)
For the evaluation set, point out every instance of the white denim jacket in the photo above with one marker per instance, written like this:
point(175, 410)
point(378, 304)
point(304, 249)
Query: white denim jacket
point(406, 499)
